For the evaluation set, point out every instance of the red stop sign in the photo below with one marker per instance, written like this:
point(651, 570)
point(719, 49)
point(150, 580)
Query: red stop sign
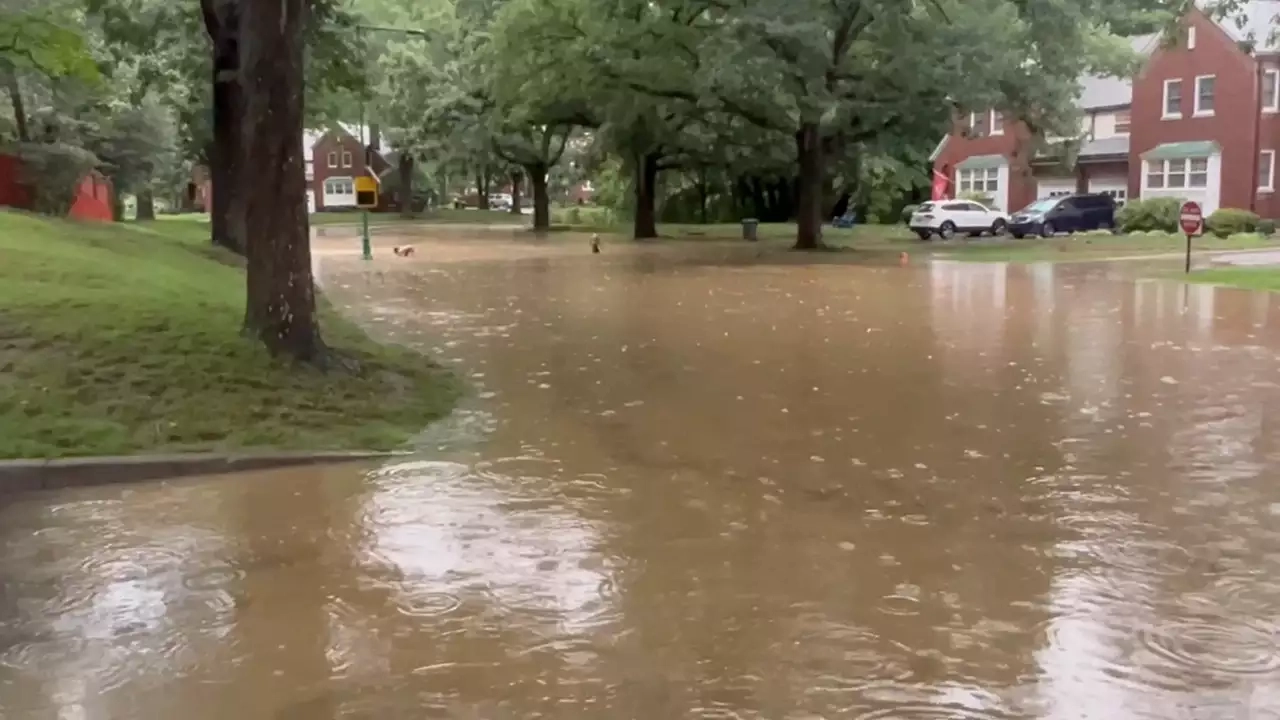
point(1191, 218)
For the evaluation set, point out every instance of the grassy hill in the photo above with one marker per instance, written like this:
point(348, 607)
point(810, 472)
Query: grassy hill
point(118, 339)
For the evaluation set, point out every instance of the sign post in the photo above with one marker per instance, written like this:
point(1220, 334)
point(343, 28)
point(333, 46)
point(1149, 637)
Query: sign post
point(1192, 221)
point(366, 199)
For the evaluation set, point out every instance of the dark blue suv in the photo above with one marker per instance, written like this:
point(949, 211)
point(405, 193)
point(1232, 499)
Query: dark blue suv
point(1072, 213)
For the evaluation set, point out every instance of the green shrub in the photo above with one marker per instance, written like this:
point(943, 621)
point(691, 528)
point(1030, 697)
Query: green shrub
point(1159, 214)
point(907, 212)
point(580, 215)
point(1225, 222)
point(1266, 228)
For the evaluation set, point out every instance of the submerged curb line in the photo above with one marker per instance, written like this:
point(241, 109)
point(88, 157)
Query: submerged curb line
point(26, 475)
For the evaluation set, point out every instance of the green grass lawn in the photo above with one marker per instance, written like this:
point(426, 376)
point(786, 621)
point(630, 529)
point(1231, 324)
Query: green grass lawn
point(442, 216)
point(1248, 278)
point(1082, 247)
point(118, 339)
point(897, 238)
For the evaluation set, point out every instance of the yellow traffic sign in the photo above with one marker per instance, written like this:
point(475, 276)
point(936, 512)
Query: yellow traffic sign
point(366, 192)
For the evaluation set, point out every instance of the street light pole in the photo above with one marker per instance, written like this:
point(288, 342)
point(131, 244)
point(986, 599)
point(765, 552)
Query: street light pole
point(366, 247)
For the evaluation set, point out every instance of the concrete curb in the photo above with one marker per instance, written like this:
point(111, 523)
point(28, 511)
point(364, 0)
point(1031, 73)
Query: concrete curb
point(26, 475)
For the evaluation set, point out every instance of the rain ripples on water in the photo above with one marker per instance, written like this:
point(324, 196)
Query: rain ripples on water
point(704, 484)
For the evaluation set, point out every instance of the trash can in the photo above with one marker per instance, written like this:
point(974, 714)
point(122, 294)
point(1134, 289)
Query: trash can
point(749, 226)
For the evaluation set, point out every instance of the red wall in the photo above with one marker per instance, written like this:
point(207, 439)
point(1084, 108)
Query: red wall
point(93, 199)
point(1235, 117)
point(93, 196)
point(12, 193)
point(1022, 186)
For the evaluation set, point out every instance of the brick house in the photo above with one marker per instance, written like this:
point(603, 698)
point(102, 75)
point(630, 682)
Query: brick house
point(335, 159)
point(1199, 121)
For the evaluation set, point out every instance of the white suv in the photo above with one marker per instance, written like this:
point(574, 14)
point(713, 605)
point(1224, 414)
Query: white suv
point(948, 217)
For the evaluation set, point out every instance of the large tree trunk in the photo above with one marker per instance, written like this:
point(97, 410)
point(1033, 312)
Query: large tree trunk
point(482, 189)
point(406, 184)
point(15, 100)
point(222, 21)
point(117, 207)
point(537, 173)
point(702, 195)
point(146, 205)
point(809, 190)
point(646, 227)
point(517, 179)
point(280, 309)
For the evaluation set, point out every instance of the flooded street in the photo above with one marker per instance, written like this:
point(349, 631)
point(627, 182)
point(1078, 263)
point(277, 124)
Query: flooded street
point(694, 483)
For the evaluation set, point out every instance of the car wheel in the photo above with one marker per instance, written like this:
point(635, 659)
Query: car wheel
point(997, 228)
point(947, 230)
point(924, 235)
point(1048, 230)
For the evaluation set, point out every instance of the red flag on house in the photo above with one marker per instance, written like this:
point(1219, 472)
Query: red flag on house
point(941, 186)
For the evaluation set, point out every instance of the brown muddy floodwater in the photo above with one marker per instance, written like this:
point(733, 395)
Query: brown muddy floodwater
point(700, 484)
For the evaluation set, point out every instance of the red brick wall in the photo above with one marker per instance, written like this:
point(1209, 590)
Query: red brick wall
point(12, 192)
point(93, 199)
point(1022, 188)
point(1268, 204)
point(335, 142)
point(1235, 118)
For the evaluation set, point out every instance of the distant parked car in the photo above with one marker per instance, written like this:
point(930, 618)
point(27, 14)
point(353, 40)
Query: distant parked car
point(1072, 213)
point(501, 201)
point(948, 217)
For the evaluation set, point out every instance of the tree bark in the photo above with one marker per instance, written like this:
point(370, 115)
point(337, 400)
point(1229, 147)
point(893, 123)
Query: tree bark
point(280, 308)
point(645, 226)
point(809, 190)
point(222, 22)
point(537, 173)
point(15, 100)
point(517, 178)
point(146, 205)
point(117, 207)
point(702, 195)
point(406, 184)
point(482, 189)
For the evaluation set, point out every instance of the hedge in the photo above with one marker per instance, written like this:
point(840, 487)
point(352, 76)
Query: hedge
point(1153, 214)
point(1225, 222)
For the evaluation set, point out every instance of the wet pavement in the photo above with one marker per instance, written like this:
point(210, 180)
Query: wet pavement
point(704, 484)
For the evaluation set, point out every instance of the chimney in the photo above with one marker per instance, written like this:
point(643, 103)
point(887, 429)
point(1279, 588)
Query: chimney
point(375, 141)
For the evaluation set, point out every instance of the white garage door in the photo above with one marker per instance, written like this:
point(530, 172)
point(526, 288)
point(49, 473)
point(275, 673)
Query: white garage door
point(1054, 187)
point(1117, 187)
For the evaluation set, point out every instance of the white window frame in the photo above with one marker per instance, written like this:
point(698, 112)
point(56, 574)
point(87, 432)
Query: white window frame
point(346, 158)
point(992, 126)
point(1191, 37)
point(333, 159)
point(350, 186)
point(1271, 79)
point(1164, 107)
point(1183, 167)
point(979, 181)
point(1270, 164)
point(1198, 111)
point(974, 126)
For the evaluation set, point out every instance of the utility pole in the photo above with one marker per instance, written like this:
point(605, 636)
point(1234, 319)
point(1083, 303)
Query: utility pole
point(366, 247)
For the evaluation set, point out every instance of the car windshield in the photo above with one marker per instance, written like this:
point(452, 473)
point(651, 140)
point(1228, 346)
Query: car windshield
point(1040, 206)
point(925, 207)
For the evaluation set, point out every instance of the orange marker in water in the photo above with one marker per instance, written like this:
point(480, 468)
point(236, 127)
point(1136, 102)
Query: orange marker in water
point(904, 259)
